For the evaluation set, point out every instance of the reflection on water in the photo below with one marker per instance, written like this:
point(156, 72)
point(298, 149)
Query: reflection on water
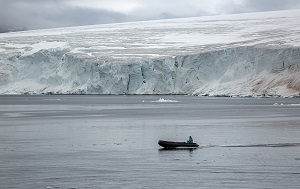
point(177, 149)
point(111, 142)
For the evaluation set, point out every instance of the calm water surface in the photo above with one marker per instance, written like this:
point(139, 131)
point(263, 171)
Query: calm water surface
point(111, 142)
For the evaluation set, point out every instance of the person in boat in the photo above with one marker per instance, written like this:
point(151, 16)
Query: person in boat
point(190, 140)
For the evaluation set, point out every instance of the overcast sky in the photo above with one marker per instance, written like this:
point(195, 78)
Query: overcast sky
point(38, 14)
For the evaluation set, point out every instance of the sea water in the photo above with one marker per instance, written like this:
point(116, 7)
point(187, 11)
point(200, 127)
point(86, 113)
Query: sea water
point(69, 141)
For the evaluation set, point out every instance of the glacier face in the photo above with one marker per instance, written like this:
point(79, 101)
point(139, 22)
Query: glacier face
point(246, 54)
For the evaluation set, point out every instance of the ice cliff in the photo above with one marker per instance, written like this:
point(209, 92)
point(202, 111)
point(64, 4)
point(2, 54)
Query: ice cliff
point(246, 54)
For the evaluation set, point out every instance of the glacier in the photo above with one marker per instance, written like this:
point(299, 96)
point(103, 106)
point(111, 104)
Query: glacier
point(253, 54)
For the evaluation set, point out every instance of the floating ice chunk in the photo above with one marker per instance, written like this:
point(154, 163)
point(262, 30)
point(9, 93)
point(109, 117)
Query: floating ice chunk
point(52, 99)
point(163, 100)
point(294, 104)
point(276, 104)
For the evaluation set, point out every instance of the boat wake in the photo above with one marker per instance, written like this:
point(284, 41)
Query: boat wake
point(254, 145)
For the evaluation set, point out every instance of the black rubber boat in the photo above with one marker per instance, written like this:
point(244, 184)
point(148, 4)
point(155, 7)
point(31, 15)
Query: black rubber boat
point(171, 144)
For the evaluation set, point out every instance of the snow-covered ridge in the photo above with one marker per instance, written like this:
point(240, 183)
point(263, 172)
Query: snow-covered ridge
point(246, 54)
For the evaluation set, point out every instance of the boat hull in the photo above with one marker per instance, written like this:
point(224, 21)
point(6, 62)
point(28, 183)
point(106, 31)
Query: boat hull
point(171, 144)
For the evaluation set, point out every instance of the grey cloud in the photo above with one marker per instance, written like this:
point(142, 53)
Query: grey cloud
point(37, 14)
point(270, 5)
point(179, 8)
point(158, 9)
